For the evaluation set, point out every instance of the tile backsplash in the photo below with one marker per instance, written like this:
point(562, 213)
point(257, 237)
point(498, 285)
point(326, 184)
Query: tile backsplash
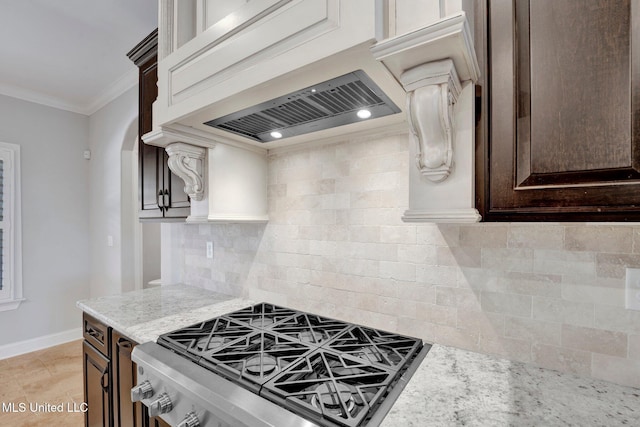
point(548, 294)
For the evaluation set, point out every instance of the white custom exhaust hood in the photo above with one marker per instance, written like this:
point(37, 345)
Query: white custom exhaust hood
point(240, 78)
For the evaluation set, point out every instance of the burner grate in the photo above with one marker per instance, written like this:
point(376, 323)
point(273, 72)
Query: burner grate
point(334, 373)
point(196, 340)
point(310, 328)
point(255, 358)
point(330, 386)
point(262, 315)
point(378, 347)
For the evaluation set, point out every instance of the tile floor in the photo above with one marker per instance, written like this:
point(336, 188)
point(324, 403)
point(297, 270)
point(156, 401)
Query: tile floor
point(49, 378)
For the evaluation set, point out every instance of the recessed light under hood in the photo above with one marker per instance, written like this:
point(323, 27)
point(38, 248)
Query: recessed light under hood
point(330, 104)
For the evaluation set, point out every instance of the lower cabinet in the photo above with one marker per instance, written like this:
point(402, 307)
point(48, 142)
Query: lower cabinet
point(96, 387)
point(109, 375)
point(125, 412)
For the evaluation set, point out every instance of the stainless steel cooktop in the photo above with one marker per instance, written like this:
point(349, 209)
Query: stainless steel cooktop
point(322, 371)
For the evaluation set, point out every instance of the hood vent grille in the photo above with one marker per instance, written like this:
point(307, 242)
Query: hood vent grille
point(333, 103)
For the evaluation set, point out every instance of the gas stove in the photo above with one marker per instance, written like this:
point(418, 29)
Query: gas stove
point(267, 365)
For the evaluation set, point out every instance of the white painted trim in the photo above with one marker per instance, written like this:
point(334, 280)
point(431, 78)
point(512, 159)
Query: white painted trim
point(39, 98)
point(464, 216)
point(112, 91)
point(39, 343)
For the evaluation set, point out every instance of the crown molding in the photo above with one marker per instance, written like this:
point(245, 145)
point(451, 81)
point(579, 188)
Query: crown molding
point(114, 90)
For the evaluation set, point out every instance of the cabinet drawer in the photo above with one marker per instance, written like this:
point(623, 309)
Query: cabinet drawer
point(96, 333)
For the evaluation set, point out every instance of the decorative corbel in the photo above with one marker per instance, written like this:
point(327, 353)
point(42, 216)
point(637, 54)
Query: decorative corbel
point(187, 161)
point(432, 91)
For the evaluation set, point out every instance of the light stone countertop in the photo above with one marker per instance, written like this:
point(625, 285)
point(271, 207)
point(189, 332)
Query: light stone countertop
point(451, 387)
point(454, 387)
point(145, 314)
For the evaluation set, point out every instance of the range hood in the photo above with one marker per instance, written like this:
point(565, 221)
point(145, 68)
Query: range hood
point(340, 101)
point(271, 74)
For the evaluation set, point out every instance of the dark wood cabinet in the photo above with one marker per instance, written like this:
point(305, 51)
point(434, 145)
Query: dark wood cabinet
point(97, 387)
point(161, 192)
point(559, 137)
point(109, 376)
point(125, 412)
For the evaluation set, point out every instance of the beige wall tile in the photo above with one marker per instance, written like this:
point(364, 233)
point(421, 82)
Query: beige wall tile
point(634, 346)
point(616, 369)
point(533, 331)
point(593, 294)
point(613, 265)
point(515, 305)
point(480, 279)
point(520, 260)
point(419, 292)
point(461, 256)
point(437, 275)
point(510, 348)
point(417, 254)
point(464, 299)
point(596, 238)
point(561, 359)
point(564, 263)
point(397, 270)
point(535, 236)
point(364, 234)
point(436, 314)
point(336, 245)
point(417, 328)
point(483, 236)
point(617, 319)
point(455, 337)
point(439, 234)
point(594, 340)
point(562, 311)
point(398, 234)
point(387, 162)
point(546, 285)
point(487, 325)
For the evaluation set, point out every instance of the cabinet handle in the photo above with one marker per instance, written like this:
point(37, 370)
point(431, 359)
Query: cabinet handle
point(124, 343)
point(166, 199)
point(160, 200)
point(94, 332)
point(105, 383)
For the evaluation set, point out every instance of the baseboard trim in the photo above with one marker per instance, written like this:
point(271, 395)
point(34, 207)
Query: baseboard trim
point(39, 343)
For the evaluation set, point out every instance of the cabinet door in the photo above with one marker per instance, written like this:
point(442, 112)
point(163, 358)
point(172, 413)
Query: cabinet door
point(161, 191)
point(97, 384)
point(125, 412)
point(150, 157)
point(564, 111)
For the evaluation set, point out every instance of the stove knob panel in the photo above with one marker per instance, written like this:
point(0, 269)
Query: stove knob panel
point(190, 420)
point(141, 391)
point(161, 405)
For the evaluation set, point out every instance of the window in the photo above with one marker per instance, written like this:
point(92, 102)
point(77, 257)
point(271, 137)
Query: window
point(10, 235)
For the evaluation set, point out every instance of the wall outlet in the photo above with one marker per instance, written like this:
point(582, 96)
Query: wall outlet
point(210, 253)
point(632, 289)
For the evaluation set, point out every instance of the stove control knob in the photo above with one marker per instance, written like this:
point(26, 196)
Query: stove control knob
point(190, 420)
point(161, 405)
point(141, 391)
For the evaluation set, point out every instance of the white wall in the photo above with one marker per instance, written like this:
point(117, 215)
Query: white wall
point(109, 128)
point(55, 217)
